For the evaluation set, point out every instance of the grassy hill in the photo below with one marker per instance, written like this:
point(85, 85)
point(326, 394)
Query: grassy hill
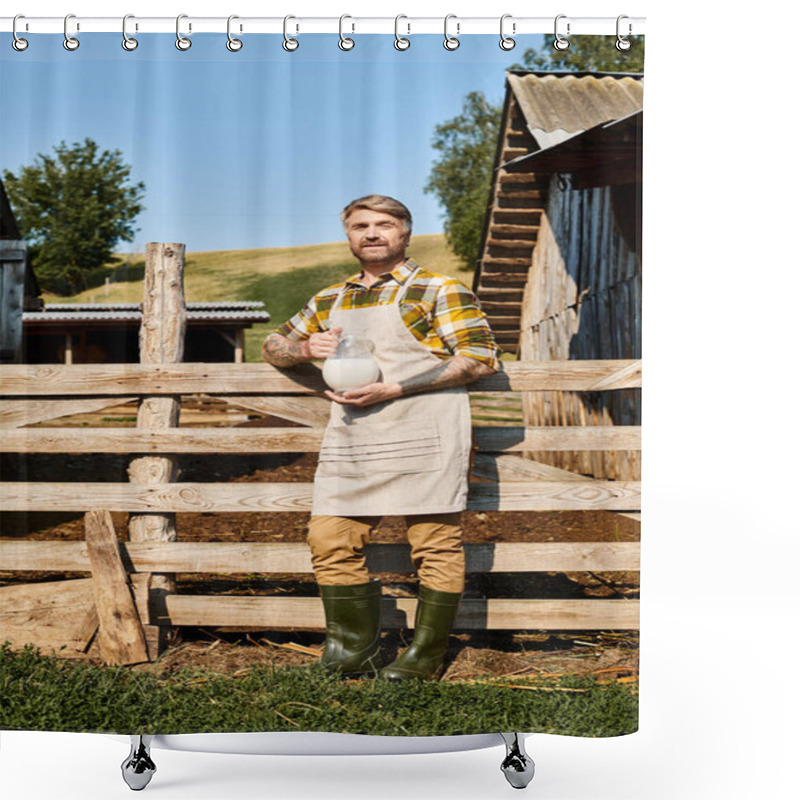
point(283, 278)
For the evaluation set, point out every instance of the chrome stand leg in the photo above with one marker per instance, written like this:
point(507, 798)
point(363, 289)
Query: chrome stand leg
point(518, 766)
point(138, 768)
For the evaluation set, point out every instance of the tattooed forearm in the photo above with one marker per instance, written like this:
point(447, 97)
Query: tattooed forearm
point(455, 371)
point(282, 352)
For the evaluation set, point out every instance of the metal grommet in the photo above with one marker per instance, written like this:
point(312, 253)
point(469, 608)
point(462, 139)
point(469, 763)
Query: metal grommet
point(622, 43)
point(70, 42)
point(560, 42)
point(289, 44)
point(181, 42)
point(506, 42)
point(19, 44)
point(233, 44)
point(128, 42)
point(344, 42)
point(451, 42)
point(400, 42)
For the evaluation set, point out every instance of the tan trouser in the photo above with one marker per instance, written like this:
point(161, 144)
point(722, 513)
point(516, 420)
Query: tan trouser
point(337, 549)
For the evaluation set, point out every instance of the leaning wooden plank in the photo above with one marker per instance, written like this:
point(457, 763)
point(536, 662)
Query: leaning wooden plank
point(311, 411)
point(291, 440)
point(15, 413)
point(122, 638)
point(279, 557)
point(305, 613)
point(260, 379)
point(218, 497)
point(49, 615)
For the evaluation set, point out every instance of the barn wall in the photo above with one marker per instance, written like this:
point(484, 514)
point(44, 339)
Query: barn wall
point(583, 301)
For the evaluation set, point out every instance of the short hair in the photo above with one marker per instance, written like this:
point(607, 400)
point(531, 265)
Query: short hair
point(379, 202)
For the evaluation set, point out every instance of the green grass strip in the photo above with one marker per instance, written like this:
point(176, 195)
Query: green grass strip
point(47, 693)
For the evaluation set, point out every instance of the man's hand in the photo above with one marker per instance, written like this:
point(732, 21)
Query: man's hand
point(282, 352)
point(366, 395)
point(322, 345)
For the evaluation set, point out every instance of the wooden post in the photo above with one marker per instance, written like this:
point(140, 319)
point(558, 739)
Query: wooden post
point(68, 349)
point(161, 339)
point(239, 347)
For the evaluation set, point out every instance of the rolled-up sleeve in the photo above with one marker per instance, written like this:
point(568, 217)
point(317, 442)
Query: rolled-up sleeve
point(302, 324)
point(462, 325)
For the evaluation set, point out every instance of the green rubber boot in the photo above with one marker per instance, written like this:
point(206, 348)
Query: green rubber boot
point(424, 659)
point(352, 628)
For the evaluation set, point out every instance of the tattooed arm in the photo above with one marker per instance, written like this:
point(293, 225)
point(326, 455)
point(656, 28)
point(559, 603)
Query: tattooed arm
point(282, 352)
point(455, 371)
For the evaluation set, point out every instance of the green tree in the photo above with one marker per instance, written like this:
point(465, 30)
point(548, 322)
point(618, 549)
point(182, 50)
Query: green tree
point(462, 175)
point(72, 208)
point(586, 54)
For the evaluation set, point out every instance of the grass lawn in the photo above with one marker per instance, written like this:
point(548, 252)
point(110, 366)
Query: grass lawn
point(47, 693)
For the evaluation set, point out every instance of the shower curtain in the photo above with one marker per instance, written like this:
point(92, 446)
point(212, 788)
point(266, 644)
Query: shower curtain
point(168, 208)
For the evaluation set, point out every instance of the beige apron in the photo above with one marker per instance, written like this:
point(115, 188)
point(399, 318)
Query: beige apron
point(404, 456)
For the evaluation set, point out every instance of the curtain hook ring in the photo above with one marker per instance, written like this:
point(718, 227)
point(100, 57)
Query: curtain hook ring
point(128, 42)
point(451, 42)
point(70, 42)
point(289, 44)
point(345, 43)
point(560, 43)
point(181, 42)
point(233, 44)
point(400, 42)
point(622, 43)
point(19, 44)
point(506, 42)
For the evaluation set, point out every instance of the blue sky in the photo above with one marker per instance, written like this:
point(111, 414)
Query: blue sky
point(258, 148)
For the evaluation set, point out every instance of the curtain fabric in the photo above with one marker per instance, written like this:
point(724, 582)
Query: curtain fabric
point(164, 212)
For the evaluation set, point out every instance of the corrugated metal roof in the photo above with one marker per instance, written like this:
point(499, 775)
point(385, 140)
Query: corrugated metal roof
point(557, 107)
point(129, 312)
point(101, 307)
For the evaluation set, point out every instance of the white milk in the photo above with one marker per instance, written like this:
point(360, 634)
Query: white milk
point(349, 373)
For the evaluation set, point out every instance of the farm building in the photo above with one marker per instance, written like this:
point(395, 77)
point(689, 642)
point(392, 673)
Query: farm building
point(560, 268)
point(74, 333)
point(19, 290)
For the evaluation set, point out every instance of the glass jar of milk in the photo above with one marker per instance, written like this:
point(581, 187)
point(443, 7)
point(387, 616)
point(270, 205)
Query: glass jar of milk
point(352, 365)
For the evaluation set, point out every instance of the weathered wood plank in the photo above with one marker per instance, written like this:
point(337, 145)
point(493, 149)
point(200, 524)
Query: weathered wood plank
point(306, 613)
point(195, 378)
point(278, 557)
point(218, 497)
point(49, 615)
point(513, 468)
point(15, 413)
point(122, 640)
point(294, 440)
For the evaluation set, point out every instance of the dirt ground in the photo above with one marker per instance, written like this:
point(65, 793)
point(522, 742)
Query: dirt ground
point(609, 655)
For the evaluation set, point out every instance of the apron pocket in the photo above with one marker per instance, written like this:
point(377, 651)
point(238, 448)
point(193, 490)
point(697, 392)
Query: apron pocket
point(374, 449)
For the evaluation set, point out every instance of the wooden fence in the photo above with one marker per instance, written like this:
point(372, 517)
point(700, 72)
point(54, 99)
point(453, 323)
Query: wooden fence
point(131, 586)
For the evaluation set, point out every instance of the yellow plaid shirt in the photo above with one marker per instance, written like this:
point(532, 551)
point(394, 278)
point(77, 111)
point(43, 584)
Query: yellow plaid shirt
point(441, 312)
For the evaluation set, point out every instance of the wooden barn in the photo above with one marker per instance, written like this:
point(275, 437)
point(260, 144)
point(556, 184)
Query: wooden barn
point(90, 333)
point(19, 290)
point(560, 268)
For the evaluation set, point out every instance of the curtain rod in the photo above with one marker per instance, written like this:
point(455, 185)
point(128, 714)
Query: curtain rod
point(407, 25)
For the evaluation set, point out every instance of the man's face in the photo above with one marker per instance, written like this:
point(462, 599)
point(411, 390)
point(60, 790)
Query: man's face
point(376, 238)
